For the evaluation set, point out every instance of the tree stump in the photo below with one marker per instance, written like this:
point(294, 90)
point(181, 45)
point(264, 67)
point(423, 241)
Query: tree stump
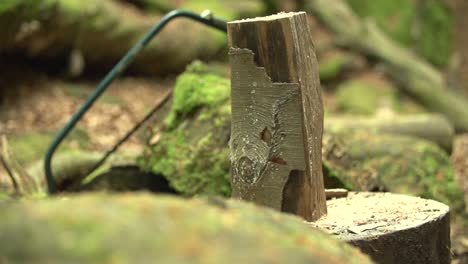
point(277, 115)
point(391, 228)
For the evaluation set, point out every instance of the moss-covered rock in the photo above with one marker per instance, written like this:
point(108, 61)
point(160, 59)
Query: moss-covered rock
point(424, 25)
point(363, 97)
point(140, 228)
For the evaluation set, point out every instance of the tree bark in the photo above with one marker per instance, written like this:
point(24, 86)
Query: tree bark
point(277, 115)
point(416, 77)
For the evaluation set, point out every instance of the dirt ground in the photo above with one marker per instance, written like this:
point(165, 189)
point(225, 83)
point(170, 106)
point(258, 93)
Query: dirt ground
point(35, 106)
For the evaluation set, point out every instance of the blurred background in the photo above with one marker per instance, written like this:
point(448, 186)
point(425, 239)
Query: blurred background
point(398, 67)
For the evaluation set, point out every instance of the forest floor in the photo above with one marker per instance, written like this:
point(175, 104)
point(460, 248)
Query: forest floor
point(30, 122)
point(35, 106)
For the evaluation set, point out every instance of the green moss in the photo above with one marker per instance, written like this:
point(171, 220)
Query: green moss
point(364, 98)
point(136, 228)
point(194, 90)
point(194, 163)
point(431, 21)
point(195, 160)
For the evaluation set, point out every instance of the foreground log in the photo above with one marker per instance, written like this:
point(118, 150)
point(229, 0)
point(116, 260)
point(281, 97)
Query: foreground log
point(417, 77)
point(277, 115)
point(431, 127)
point(98, 33)
point(160, 229)
point(391, 228)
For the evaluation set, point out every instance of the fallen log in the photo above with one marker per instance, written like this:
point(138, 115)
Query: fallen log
point(416, 76)
point(97, 34)
point(432, 127)
point(160, 229)
point(364, 161)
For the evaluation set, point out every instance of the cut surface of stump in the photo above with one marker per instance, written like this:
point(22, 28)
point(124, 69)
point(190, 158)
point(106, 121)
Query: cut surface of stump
point(391, 228)
point(277, 115)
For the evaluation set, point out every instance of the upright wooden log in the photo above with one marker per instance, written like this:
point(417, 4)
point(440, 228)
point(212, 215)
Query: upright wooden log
point(277, 115)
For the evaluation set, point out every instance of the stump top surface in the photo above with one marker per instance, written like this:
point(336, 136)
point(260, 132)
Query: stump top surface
point(372, 214)
point(280, 15)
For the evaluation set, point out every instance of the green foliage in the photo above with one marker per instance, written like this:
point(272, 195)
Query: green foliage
point(426, 27)
point(364, 98)
point(137, 228)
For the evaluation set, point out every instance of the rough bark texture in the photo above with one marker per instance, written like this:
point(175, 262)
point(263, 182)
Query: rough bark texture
point(417, 77)
point(432, 127)
point(99, 33)
point(391, 228)
point(277, 116)
point(142, 228)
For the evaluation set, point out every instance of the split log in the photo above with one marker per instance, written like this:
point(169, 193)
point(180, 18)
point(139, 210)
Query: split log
point(391, 228)
point(417, 77)
point(432, 127)
point(277, 115)
point(98, 33)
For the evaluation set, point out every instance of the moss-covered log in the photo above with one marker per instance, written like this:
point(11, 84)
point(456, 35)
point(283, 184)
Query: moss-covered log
point(137, 228)
point(192, 150)
point(417, 77)
point(432, 127)
point(400, 164)
point(98, 33)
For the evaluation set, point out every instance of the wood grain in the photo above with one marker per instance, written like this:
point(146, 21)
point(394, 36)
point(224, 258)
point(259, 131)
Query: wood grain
point(277, 114)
